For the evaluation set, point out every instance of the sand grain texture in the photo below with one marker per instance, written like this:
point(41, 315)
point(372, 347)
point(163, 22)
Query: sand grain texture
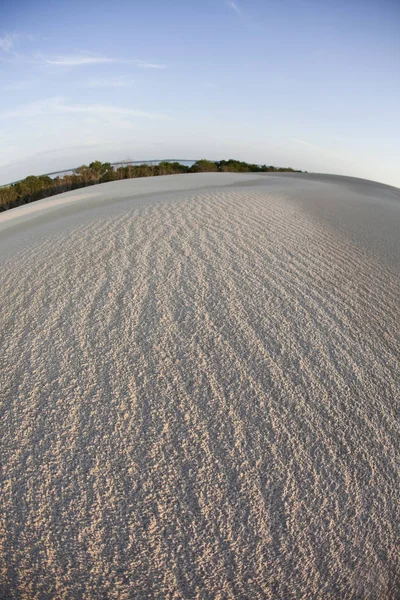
point(200, 396)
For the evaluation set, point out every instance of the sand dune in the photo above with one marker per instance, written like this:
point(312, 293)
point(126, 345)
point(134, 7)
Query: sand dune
point(201, 390)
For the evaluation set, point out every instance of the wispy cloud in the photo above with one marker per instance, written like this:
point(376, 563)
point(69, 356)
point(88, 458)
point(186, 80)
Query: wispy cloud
point(77, 60)
point(110, 82)
point(7, 42)
point(234, 6)
point(147, 65)
point(304, 143)
point(245, 17)
point(58, 106)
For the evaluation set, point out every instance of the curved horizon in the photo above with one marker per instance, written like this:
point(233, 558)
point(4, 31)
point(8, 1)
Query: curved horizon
point(190, 160)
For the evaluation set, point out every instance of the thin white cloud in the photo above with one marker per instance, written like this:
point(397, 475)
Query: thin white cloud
point(58, 106)
point(304, 143)
point(78, 60)
point(245, 18)
point(110, 82)
point(146, 65)
point(233, 5)
point(7, 42)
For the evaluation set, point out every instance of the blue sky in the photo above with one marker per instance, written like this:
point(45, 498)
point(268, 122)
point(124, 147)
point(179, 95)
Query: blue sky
point(313, 84)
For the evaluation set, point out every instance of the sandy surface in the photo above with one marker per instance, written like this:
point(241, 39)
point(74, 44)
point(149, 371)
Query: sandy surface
point(200, 393)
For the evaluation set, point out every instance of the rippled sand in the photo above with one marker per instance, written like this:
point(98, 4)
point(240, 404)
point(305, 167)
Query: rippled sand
point(201, 391)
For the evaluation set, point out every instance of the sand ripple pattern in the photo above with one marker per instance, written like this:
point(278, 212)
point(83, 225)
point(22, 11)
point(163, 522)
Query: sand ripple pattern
point(200, 400)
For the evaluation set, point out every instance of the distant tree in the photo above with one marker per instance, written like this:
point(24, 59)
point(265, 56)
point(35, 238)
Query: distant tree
point(129, 171)
point(97, 167)
point(33, 188)
point(170, 168)
point(204, 166)
point(8, 197)
point(232, 165)
point(85, 174)
point(144, 170)
point(108, 173)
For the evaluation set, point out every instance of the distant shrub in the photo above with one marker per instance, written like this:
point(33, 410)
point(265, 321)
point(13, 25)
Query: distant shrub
point(34, 188)
point(204, 166)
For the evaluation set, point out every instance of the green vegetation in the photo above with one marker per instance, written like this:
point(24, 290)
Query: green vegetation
point(35, 188)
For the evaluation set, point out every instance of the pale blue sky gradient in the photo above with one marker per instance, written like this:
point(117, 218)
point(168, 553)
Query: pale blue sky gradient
point(313, 84)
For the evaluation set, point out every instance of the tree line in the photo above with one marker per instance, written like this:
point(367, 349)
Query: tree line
point(35, 188)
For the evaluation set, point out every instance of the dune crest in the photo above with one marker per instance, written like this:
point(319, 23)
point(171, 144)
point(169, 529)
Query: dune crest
point(201, 392)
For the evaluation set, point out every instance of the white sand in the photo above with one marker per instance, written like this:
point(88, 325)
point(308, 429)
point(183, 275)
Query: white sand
point(200, 395)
